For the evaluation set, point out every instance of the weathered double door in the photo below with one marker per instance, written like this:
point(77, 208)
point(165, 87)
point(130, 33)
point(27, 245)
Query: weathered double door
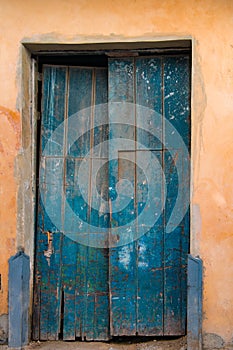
point(110, 177)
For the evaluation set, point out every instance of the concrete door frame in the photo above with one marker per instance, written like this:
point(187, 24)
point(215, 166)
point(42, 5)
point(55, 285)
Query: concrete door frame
point(26, 160)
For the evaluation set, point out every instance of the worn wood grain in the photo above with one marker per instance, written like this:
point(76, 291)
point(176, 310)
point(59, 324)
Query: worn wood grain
point(139, 288)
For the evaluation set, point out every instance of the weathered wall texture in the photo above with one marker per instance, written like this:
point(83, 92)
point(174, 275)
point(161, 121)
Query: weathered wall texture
point(209, 23)
point(9, 145)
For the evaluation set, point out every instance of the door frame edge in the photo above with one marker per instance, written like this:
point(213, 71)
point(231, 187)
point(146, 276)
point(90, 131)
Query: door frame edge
point(27, 157)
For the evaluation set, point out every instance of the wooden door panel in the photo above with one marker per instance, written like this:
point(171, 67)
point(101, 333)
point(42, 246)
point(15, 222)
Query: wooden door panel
point(176, 243)
point(90, 300)
point(47, 270)
point(71, 292)
point(136, 283)
point(156, 304)
point(136, 289)
point(122, 259)
point(150, 293)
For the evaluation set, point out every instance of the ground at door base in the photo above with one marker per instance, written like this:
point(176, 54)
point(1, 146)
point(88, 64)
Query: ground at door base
point(211, 341)
point(176, 344)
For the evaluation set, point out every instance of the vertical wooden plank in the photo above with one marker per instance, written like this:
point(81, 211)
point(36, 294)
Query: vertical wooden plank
point(122, 264)
point(150, 294)
point(150, 246)
point(75, 304)
point(55, 288)
point(177, 95)
point(86, 310)
point(81, 298)
point(40, 246)
point(79, 102)
point(51, 255)
point(176, 243)
point(69, 270)
point(149, 101)
point(97, 308)
point(172, 256)
point(53, 106)
point(47, 290)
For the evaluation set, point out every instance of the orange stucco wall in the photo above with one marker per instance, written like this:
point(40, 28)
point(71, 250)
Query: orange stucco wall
point(209, 23)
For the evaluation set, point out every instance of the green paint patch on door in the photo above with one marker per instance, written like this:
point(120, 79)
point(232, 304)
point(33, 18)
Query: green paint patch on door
point(111, 250)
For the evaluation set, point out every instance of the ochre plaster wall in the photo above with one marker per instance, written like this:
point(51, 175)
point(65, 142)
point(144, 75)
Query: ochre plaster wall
point(209, 23)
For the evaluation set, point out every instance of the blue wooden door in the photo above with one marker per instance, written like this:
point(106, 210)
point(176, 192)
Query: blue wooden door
point(148, 275)
point(111, 251)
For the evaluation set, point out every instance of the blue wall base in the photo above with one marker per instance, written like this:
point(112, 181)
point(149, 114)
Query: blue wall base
point(194, 322)
point(19, 275)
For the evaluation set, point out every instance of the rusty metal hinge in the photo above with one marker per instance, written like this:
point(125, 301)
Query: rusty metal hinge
point(50, 250)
